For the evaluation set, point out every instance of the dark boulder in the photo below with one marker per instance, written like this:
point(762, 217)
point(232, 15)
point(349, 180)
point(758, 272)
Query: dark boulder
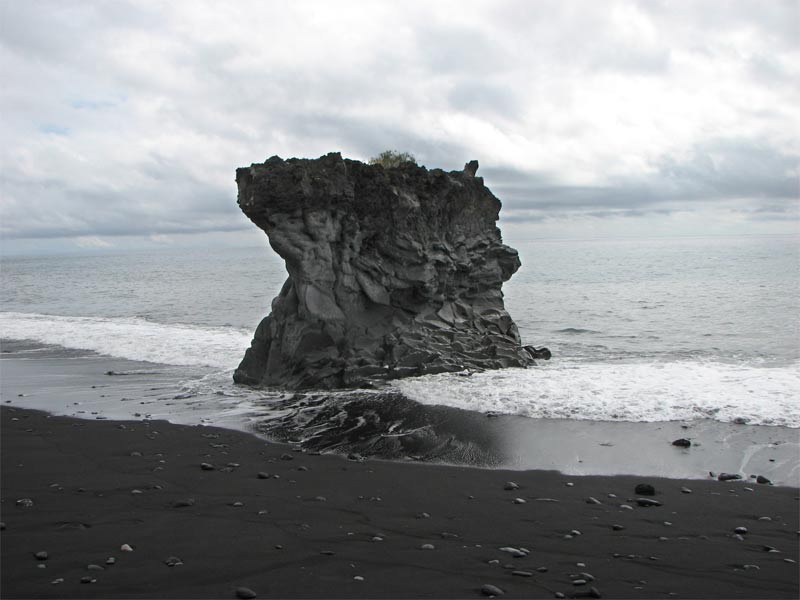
point(393, 272)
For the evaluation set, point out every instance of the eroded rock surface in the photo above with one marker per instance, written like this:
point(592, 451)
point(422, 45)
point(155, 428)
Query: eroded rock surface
point(392, 272)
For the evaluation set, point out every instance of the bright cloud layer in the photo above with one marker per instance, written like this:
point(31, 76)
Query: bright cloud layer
point(130, 117)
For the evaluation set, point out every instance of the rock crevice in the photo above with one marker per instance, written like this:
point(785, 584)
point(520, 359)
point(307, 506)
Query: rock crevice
point(392, 272)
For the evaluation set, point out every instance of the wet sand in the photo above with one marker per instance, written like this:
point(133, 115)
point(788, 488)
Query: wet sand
point(322, 526)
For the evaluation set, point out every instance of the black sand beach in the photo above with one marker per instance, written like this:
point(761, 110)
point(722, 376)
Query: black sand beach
point(327, 527)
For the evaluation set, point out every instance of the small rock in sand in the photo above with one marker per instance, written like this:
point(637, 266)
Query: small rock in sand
point(245, 593)
point(427, 547)
point(647, 502)
point(126, 548)
point(682, 443)
point(617, 527)
point(183, 503)
point(25, 503)
point(263, 475)
point(519, 501)
point(685, 490)
point(510, 485)
point(286, 456)
point(2, 526)
point(94, 567)
point(728, 476)
point(88, 579)
point(111, 560)
point(762, 479)
point(173, 561)
point(57, 581)
point(41, 555)
point(592, 500)
point(423, 515)
point(740, 530)
point(645, 489)
point(522, 573)
point(491, 590)
point(207, 466)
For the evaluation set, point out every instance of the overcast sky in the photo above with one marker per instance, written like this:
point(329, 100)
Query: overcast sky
point(123, 122)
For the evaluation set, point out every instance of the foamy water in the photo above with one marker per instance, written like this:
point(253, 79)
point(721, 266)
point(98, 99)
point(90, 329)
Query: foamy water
point(639, 392)
point(133, 338)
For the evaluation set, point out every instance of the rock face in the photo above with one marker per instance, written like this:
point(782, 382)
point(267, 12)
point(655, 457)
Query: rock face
point(392, 273)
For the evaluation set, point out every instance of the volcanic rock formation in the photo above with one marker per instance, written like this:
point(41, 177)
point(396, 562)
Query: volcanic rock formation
point(392, 272)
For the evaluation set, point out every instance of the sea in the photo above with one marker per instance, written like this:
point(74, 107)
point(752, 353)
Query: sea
point(676, 329)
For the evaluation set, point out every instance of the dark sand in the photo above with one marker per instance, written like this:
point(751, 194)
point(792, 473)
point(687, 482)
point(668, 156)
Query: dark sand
point(312, 530)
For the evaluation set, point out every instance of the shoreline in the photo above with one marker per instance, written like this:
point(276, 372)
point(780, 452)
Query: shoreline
point(313, 529)
point(76, 383)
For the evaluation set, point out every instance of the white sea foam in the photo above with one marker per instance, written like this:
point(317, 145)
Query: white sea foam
point(638, 392)
point(133, 338)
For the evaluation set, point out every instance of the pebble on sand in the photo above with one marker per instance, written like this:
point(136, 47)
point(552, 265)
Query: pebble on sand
point(519, 501)
point(647, 502)
point(41, 555)
point(207, 466)
point(126, 548)
point(728, 476)
point(263, 475)
point(245, 593)
point(491, 590)
point(740, 530)
point(645, 489)
point(25, 503)
point(682, 443)
point(510, 485)
point(427, 547)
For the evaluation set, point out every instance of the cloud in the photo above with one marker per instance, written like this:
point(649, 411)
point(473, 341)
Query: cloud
point(130, 118)
point(92, 241)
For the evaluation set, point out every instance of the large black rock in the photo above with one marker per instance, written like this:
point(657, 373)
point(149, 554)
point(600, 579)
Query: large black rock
point(392, 272)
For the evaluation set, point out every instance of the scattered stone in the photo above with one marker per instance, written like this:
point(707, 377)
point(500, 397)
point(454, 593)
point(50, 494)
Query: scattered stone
point(427, 547)
point(579, 582)
point(685, 490)
point(94, 567)
point(25, 503)
point(286, 456)
point(237, 504)
point(207, 466)
point(327, 552)
point(423, 515)
point(88, 579)
point(765, 518)
point(740, 530)
point(515, 552)
point(728, 477)
point(542, 569)
point(111, 560)
point(302, 468)
point(126, 548)
point(592, 500)
point(320, 498)
point(740, 421)
point(519, 501)
point(2, 526)
point(766, 548)
point(183, 503)
point(617, 527)
point(645, 489)
point(682, 443)
point(358, 578)
point(510, 485)
point(575, 532)
point(569, 484)
point(135, 492)
point(626, 506)
point(560, 595)
point(377, 538)
point(791, 561)
point(762, 479)
point(57, 581)
point(749, 567)
point(263, 475)
point(245, 593)
point(491, 590)
point(522, 573)
point(647, 502)
point(173, 561)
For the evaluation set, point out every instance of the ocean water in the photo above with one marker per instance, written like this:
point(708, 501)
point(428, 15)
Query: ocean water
point(647, 330)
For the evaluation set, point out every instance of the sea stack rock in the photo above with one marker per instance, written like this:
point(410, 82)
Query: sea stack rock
point(393, 272)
